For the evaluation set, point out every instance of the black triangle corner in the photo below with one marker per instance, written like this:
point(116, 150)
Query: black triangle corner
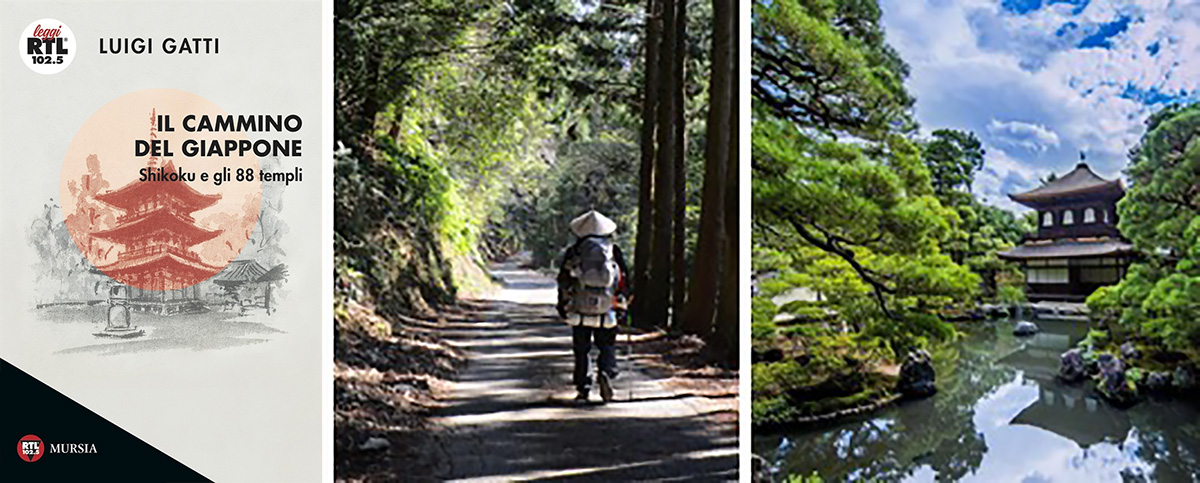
point(31, 407)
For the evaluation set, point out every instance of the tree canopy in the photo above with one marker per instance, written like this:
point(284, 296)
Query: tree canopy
point(1159, 297)
point(839, 183)
point(852, 210)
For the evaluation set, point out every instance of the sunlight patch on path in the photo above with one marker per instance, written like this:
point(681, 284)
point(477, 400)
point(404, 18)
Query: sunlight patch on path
point(512, 414)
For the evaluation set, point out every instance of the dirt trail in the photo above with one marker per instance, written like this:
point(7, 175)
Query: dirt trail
point(511, 414)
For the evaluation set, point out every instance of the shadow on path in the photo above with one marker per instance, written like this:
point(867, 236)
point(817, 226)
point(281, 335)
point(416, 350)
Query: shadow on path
point(511, 415)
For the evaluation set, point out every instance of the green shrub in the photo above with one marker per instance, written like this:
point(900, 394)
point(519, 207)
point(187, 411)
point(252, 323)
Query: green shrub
point(762, 330)
point(762, 310)
point(1010, 294)
point(1095, 339)
point(808, 331)
point(1135, 375)
point(811, 478)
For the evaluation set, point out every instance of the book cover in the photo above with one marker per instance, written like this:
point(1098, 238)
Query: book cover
point(160, 225)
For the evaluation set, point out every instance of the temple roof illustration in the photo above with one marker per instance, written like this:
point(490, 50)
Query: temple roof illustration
point(130, 196)
point(157, 233)
point(240, 271)
point(158, 219)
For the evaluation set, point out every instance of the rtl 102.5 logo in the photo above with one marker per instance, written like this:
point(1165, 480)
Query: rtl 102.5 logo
point(47, 46)
point(30, 448)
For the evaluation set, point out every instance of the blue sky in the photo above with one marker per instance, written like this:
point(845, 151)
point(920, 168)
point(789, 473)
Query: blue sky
point(1041, 80)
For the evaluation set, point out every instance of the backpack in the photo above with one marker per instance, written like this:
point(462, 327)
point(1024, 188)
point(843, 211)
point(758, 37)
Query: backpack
point(596, 274)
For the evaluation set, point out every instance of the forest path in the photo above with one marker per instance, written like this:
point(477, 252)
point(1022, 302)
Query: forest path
point(512, 416)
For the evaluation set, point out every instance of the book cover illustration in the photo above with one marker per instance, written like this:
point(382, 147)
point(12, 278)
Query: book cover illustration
point(141, 254)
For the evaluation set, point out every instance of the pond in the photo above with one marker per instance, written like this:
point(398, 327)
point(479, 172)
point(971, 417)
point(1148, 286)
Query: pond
point(1000, 415)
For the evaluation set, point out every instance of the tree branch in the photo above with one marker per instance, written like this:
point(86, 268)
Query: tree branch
point(878, 288)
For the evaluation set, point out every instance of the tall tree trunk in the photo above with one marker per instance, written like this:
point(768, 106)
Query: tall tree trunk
point(645, 225)
point(706, 271)
point(726, 334)
point(659, 285)
point(679, 285)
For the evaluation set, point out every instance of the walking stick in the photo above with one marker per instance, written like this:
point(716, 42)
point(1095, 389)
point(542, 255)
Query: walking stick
point(629, 340)
point(629, 355)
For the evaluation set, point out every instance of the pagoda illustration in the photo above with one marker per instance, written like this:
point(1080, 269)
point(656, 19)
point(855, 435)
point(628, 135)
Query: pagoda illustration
point(1077, 247)
point(157, 233)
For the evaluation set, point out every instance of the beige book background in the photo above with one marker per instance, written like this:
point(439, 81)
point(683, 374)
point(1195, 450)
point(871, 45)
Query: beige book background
point(249, 412)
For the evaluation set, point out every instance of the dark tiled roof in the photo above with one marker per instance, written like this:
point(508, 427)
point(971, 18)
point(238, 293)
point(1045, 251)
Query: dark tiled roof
point(1080, 180)
point(241, 271)
point(1067, 249)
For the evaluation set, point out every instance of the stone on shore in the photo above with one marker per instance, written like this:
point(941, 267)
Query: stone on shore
point(1026, 328)
point(917, 376)
point(1157, 382)
point(1114, 386)
point(1071, 367)
point(1129, 351)
point(1185, 379)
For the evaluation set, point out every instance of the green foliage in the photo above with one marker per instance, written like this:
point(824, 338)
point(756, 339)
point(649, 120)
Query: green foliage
point(839, 46)
point(981, 230)
point(600, 175)
point(1134, 375)
point(825, 371)
point(592, 161)
point(396, 246)
point(449, 109)
point(917, 333)
point(952, 157)
point(825, 204)
point(1159, 297)
point(1010, 294)
point(806, 311)
point(774, 377)
point(808, 331)
point(1105, 302)
point(813, 477)
point(848, 205)
point(762, 310)
point(762, 330)
point(786, 391)
point(382, 48)
point(1095, 340)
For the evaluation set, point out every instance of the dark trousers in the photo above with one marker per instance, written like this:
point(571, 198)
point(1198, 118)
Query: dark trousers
point(606, 341)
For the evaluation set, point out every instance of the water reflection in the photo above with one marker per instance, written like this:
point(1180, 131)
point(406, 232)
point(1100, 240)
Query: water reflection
point(1000, 415)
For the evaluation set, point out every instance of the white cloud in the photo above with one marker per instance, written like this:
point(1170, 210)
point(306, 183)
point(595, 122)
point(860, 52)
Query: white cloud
point(1035, 137)
point(1032, 95)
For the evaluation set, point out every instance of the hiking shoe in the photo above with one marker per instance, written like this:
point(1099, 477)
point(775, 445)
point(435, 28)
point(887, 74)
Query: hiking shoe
point(606, 391)
point(582, 395)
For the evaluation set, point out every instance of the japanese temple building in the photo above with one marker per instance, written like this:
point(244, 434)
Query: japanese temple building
point(157, 233)
point(1077, 247)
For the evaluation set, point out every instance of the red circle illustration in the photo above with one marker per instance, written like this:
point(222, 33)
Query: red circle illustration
point(143, 208)
point(30, 448)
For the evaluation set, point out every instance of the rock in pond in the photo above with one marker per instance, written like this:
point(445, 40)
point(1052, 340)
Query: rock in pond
point(1114, 386)
point(1129, 352)
point(1071, 367)
point(1026, 328)
point(1185, 379)
point(1157, 382)
point(1091, 362)
point(916, 375)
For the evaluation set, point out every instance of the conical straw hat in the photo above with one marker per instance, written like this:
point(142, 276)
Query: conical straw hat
point(593, 223)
